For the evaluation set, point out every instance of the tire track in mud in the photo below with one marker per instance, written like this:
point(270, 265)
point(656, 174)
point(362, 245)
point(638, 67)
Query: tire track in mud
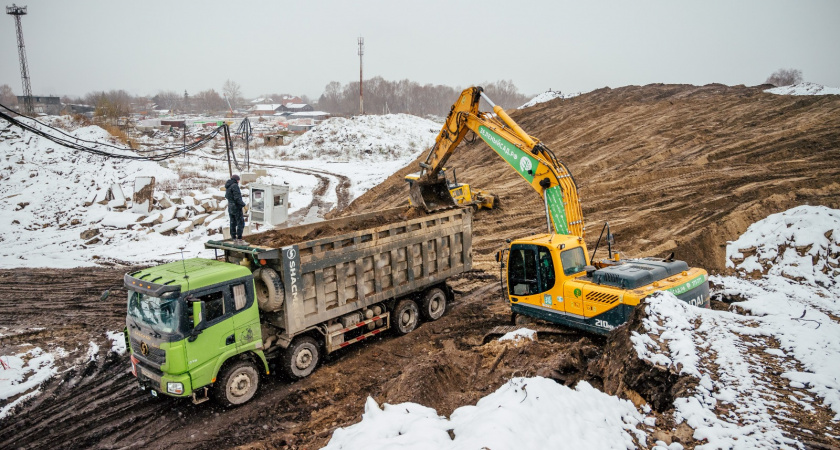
point(318, 206)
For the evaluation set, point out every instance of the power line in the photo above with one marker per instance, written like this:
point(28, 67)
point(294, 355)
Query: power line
point(65, 140)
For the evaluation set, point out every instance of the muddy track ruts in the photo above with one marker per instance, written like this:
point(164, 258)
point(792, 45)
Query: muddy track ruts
point(342, 191)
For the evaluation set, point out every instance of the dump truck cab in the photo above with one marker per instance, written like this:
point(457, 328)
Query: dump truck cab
point(186, 320)
point(548, 277)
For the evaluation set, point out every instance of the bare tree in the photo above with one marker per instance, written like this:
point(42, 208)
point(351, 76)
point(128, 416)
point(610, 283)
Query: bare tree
point(7, 96)
point(785, 77)
point(233, 92)
point(167, 100)
point(209, 101)
point(110, 105)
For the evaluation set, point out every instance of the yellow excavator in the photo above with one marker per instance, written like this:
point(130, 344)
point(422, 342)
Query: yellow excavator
point(463, 195)
point(552, 276)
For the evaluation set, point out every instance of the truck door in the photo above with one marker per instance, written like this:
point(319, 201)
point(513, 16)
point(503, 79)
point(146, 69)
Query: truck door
point(246, 319)
point(573, 261)
point(216, 337)
point(532, 278)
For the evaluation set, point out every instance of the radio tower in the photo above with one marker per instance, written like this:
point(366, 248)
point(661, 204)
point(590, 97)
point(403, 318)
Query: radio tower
point(18, 11)
point(361, 91)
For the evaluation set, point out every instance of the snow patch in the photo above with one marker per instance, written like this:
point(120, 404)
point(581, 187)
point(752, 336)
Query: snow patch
point(522, 413)
point(521, 334)
point(547, 96)
point(806, 88)
point(21, 376)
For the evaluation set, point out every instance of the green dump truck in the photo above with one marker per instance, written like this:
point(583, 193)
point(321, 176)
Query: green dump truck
point(205, 328)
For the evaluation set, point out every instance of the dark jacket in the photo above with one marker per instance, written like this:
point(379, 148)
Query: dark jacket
point(233, 195)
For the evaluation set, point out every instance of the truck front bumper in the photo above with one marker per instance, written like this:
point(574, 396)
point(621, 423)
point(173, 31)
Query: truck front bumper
point(161, 382)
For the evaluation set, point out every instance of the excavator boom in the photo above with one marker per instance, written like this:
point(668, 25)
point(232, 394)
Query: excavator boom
point(530, 158)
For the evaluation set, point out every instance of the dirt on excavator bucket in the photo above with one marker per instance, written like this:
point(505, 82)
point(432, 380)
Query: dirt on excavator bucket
point(431, 195)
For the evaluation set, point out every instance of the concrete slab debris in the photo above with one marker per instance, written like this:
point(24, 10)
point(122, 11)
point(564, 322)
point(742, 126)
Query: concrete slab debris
point(144, 188)
point(166, 226)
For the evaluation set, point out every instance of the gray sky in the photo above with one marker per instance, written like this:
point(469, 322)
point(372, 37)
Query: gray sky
point(75, 47)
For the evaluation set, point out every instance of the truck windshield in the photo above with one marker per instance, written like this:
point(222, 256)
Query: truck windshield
point(161, 314)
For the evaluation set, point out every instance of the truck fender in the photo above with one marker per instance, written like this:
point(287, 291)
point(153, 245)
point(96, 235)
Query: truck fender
point(256, 355)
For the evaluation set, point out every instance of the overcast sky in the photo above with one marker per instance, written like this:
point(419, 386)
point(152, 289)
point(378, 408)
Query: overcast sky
point(75, 47)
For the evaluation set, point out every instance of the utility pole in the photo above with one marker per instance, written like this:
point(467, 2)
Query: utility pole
point(18, 11)
point(361, 91)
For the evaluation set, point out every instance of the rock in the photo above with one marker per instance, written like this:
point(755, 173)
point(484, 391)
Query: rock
point(152, 219)
point(87, 234)
point(166, 226)
point(198, 209)
point(168, 214)
point(184, 227)
point(189, 201)
point(165, 202)
point(199, 219)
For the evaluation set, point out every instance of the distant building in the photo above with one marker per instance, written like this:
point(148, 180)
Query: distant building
point(317, 116)
point(296, 107)
point(42, 105)
point(266, 109)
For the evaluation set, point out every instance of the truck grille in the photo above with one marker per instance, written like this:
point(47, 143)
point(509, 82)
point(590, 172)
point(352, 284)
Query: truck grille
point(155, 355)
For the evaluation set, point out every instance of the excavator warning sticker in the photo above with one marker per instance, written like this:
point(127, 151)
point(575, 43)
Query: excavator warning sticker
point(554, 197)
point(523, 163)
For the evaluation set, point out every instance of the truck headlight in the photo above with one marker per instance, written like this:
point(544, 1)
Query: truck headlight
point(175, 388)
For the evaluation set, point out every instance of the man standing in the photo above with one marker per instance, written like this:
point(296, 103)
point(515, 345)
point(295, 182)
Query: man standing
point(235, 205)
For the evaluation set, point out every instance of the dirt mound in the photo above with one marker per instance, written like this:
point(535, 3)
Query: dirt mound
point(287, 236)
point(671, 167)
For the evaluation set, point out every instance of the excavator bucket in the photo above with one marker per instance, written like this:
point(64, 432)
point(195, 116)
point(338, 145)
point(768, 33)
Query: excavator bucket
point(431, 195)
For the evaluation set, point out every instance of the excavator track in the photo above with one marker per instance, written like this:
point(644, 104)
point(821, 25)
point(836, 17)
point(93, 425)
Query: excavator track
point(542, 331)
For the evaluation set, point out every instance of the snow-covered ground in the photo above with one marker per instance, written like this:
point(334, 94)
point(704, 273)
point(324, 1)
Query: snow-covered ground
point(371, 138)
point(525, 413)
point(755, 372)
point(44, 187)
point(758, 370)
point(805, 88)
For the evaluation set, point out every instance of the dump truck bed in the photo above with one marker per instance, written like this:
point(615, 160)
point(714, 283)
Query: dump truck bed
point(327, 277)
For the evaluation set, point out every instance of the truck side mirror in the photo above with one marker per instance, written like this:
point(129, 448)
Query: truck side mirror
point(499, 256)
point(198, 319)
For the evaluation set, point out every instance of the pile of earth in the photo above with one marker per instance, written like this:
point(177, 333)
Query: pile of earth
point(671, 167)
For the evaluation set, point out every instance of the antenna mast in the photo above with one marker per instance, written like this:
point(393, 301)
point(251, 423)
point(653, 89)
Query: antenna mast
point(361, 91)
point(18, 11)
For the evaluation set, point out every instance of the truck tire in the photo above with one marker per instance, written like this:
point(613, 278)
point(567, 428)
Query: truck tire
point(434, 304)
point(237, 384)
point(270, 292)
point(300, 358)
point(405, 316)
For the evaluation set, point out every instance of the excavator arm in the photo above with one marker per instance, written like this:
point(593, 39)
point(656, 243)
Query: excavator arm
point(529, 157)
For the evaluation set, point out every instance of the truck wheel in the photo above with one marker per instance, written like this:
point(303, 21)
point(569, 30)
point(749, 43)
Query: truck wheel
point(238, 383)
point(301, 357)
point(405, 316)
point(270, 293)
point(434, 304)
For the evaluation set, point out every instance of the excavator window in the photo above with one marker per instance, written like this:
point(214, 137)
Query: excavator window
point(531, 270)
point(573, 260)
